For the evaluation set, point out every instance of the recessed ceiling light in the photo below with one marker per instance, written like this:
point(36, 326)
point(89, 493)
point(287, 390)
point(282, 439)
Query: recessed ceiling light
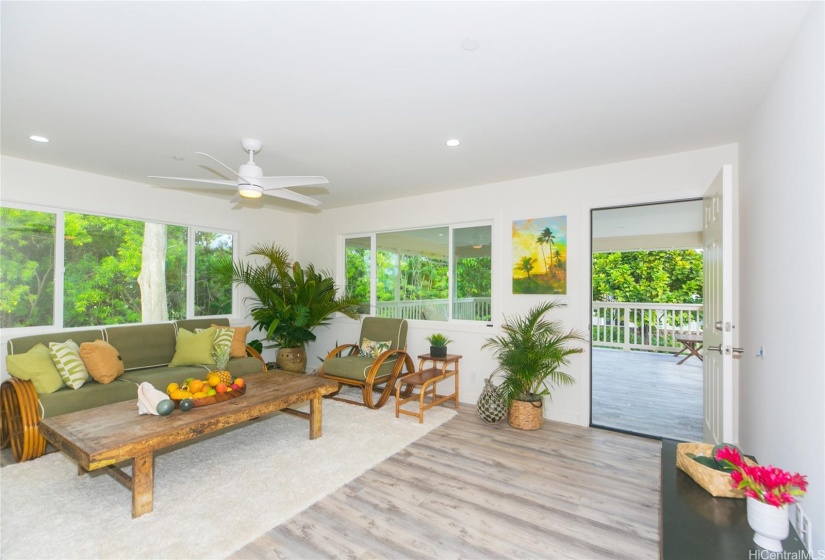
point(470, 44)
point(36, 138)
point(453, 142)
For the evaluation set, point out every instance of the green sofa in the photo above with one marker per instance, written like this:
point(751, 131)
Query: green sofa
point(146, 351)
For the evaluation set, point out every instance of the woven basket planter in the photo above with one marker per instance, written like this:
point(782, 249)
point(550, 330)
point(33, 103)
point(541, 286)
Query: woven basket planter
point(526, 415)
point(716, 483)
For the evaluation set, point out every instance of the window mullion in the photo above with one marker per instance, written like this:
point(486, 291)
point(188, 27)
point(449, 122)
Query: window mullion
point(190, 273)
point(59, 267)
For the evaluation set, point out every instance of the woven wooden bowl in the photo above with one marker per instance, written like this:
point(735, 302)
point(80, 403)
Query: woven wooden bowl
point(716, 483)
point(216, 398)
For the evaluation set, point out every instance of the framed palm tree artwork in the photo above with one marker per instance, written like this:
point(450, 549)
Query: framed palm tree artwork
point(540, 256)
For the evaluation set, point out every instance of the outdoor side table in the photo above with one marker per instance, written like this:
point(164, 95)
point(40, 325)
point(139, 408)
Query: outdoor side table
point(426, 380)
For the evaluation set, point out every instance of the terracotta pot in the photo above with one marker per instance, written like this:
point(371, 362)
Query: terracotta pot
point(292, 359)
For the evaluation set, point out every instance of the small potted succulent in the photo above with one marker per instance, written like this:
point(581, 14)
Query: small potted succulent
point(438, 345)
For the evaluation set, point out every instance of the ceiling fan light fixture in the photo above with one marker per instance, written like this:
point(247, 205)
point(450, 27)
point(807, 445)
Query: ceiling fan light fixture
point(250, 191)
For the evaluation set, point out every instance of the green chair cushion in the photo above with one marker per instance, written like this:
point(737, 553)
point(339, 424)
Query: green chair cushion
point(355, 367)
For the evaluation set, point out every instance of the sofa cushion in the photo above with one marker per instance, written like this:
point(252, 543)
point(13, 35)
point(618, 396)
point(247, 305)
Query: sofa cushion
point(102, 360)
point(144, 345)
point(374, 348)
point(66, 357)
point(26, 343)
point(192, 324)
point(36, 366)
point(193, 348)
point(91, 395)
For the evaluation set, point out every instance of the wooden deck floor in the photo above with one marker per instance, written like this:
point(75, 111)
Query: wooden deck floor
point(647, 393)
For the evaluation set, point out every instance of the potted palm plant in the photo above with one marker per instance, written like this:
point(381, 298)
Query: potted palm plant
point(438, 345)
point(289, 302)
point(529, 355)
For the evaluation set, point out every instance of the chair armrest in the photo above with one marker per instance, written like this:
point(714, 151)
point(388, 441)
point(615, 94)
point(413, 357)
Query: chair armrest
point(401, 358)
point(353, 349)
point(255, 354)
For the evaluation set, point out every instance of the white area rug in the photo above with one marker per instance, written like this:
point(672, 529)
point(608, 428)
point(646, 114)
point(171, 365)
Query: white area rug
point(211, 497)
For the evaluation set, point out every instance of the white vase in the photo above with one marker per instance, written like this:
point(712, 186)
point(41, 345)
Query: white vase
point(770, 524)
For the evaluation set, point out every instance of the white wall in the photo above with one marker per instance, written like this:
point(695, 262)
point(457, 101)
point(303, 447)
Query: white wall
point(782, 208)
point(47, 186)
point(572, 193)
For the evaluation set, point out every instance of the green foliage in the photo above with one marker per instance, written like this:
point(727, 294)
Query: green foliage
point(530, 353)
point(290, 301)
point(438, 339)
point(27, 273)
point(648, 276)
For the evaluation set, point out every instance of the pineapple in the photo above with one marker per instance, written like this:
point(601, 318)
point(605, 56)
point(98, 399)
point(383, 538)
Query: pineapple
point(221, 360)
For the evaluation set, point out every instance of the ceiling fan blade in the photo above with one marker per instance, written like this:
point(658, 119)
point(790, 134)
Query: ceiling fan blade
point(235, 173)
point(291, 195)
point(283, 182)
point(223, 184)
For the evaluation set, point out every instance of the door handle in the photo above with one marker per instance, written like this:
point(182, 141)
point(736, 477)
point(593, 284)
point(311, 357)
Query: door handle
point(726, 350)
point(718, 325)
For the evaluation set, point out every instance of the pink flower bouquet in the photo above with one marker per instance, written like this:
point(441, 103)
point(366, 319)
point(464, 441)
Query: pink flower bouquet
point(768, 484)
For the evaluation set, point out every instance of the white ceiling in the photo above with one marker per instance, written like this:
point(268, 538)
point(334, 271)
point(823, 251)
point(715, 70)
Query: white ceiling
point(366, 93)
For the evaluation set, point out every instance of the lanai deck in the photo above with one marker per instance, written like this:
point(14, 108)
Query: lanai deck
point(647, 393)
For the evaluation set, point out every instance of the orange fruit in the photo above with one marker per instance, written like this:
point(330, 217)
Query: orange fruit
point(196, 385)
point(220, 387)
point(239, 382)
point(213, 380)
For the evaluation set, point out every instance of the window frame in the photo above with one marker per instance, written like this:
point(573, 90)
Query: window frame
point(59, 255)
point(451, 227)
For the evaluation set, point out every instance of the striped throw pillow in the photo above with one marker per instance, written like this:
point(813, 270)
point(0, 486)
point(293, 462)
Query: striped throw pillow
point(66, 358)
point(223, 337)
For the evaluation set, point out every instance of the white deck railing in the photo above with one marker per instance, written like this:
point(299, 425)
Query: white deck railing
point(644, 326)
point(465, 309)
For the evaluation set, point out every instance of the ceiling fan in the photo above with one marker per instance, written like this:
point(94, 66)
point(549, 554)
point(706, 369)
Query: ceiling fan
point(251, 182)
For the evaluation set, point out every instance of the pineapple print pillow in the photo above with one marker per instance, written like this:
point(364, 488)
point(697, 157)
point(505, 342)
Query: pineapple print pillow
point(374, 348)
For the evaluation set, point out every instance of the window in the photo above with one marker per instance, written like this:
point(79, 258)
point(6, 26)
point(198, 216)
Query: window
point(26, 268)
point(114, 271)
point(213, 296)
point(437, 274)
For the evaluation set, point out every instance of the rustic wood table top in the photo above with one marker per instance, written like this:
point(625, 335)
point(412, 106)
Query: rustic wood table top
point(103, 436)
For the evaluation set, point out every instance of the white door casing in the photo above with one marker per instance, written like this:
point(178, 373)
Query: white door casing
point(718, 312)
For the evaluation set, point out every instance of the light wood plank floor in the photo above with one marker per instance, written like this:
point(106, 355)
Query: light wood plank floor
point(647, 393)
point(471, 490)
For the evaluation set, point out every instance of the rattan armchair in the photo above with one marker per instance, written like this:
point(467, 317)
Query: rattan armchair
point(376, 373)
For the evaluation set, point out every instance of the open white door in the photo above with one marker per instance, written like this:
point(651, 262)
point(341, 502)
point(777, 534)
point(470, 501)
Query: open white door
point(718, 316)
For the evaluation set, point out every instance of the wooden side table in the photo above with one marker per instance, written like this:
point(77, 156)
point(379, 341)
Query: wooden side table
point(426, 379)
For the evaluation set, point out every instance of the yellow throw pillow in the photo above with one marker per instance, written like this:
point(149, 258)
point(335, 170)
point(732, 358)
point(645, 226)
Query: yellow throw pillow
point(193, 349)
point(102, 361)
point(238, 340)
point(36, 366)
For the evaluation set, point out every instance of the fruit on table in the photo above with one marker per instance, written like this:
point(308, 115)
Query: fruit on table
point(240, 382)
point(221, 387)
point(165, 406)
point(210, 392)
point(172, 387)
point(196, 385)
point(179, 394)
point(221, 362)
point(213, 380)
point(186, 405)
point(199, 395)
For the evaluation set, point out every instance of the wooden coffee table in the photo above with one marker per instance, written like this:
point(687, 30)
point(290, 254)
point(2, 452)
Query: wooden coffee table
point(101, 437)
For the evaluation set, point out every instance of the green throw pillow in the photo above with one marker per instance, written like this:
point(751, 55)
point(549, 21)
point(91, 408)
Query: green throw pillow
point(66, 357)
point(193, 349)
point(36, 366)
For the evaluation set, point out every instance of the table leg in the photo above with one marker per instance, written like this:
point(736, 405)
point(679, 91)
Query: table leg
point(142, 483)
point(315, 418)
point(456, 385)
